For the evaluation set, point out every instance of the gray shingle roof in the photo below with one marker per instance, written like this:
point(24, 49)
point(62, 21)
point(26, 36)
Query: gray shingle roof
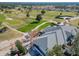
point(54, 35)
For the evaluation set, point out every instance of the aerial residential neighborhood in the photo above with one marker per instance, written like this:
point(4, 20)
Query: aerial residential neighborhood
point(39, 29)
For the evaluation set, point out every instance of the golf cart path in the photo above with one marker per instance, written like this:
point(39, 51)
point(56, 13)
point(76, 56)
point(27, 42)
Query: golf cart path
point(12, 28)
point(39, 26)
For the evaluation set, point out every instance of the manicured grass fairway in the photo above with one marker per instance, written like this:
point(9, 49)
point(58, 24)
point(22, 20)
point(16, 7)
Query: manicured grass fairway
point(44, 26)
point(14, 22)
point(30, 26)
point(48, 15)
point(2, 18)
point(26, 26)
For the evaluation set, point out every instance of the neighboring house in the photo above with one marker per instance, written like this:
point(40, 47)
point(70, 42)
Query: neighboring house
point(51, 36)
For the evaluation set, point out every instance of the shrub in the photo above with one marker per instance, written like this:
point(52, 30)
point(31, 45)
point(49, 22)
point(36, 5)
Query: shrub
point(21, 49)
point(56, 50)
point(76, 44)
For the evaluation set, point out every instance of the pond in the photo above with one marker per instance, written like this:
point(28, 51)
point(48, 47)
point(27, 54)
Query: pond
point(64, 17)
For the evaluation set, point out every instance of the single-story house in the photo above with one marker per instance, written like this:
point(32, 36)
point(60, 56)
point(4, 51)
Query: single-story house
point(51, 36)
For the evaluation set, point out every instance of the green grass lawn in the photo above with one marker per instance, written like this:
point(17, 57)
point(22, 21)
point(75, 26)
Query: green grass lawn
point(14, 22)
point(2, 18)
point(48, 15)
point(25, 24)
point(30, 26)
point(46, 25)
point(1, 27)
point(52, 14)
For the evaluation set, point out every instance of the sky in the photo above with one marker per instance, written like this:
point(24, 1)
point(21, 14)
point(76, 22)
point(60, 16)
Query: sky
point(39, 0)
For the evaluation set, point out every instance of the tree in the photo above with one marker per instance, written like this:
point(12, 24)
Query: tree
point(76, 44)
point(29, 9)
point(60, 13)
point(3, 29)
point(28, 13)
point(19, 9)
point(77, 13)
point(2, 9)
point(38, 17)
point(20, 47)
point(43, 12)
point(56, 50)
